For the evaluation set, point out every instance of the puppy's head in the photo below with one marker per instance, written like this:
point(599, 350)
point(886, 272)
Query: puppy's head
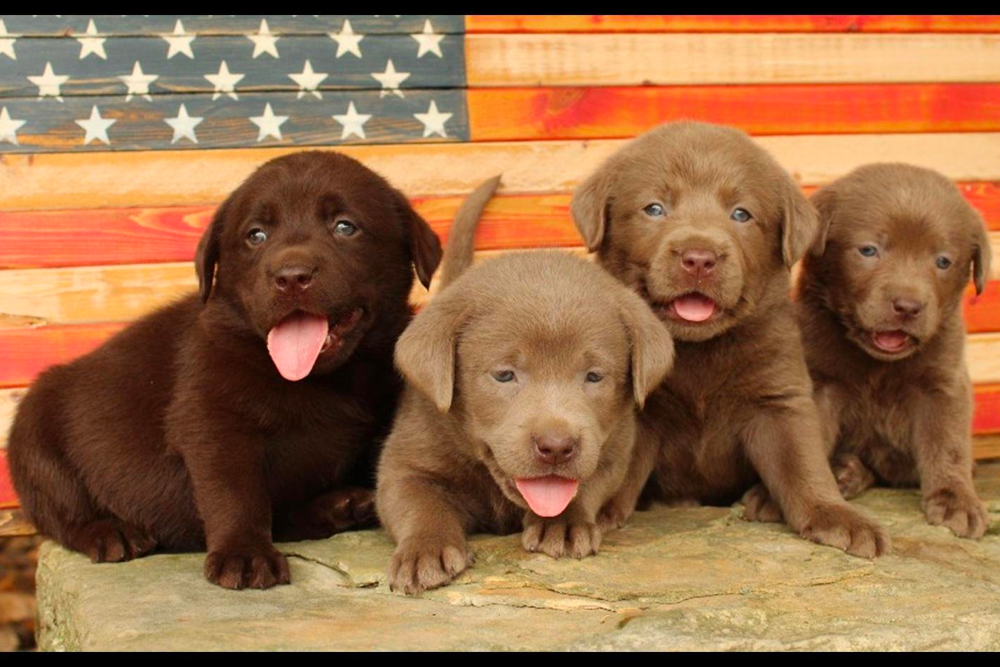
point(540, 357)
point(308, 253)
point(899, 245)
point(698, 219)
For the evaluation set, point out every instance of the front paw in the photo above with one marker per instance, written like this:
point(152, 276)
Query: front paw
point(558, 538)
point(840, 525)
point(247, 567)
point(111, 541)
point(420, 564)
point(760, 506)
point(334, 512)
point(959, 510)
point(852, 476)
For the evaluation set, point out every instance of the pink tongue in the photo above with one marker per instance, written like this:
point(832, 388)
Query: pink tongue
point(694, 307)
point(295, 343)
point(547, 496)
point(891, 340)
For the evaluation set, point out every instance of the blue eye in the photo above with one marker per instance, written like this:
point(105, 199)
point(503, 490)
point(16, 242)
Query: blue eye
point(654, 210)
point(943, 262)
point(345, 228)
point(503, 376)
point(740, 215)
point(868, 250)
point(256, 236)
point(594, 377)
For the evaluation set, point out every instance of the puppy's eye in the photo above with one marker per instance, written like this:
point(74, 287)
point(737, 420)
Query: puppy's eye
point(654, 210)
point(256, 236)
point(503, 376)
point(868, 250)
point(345, 228)
point(594, 377)
point(943, 262)
point(740, 215)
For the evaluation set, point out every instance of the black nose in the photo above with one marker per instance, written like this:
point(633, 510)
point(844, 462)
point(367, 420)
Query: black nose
point(907, 307)
point(699, 262)
point(553, 448)
point(293, 279)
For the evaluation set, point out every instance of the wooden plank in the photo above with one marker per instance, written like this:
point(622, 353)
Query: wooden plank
point(14, 524)
point(24, 353)
point(986, 447)
point(982, 313)
point(171, 178)
point(9, 400)
point(668, 59)
point(549, 23)
point(504, 114)
point(987, 414)
point(7, 496)
point(985, 197)
point(983, 357)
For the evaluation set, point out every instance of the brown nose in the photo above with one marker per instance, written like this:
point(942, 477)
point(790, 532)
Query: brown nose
point(553, 448)
point(907, 307)
point(293, 279)
point(699, 262)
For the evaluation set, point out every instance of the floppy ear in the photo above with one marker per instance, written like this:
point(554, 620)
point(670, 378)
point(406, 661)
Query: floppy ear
point(652, 346)
point(800, 227)
point(824, 201)
point(982, 257)
point(207, 254)
point(425, 246)
point(425, 353)
point(589, 207)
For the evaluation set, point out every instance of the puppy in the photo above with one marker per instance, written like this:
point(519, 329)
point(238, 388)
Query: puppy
point(522, 377)
point(247, 408)
point(879, 304)
point(705, 225)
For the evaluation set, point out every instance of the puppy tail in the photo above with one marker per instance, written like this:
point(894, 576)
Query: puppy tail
point(461, 238)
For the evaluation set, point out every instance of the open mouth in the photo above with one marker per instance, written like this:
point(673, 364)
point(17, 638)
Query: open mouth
point(547, 496)
point(693, 308)
point(297, 341)
point(892, 342)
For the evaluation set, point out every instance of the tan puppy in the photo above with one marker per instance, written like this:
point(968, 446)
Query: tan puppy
point(880, 308)
point(519, 411)
point(705, 225)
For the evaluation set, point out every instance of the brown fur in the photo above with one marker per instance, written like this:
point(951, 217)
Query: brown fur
point(180, 434)
point(738, 407)
point(898, 418)
point(461, 437)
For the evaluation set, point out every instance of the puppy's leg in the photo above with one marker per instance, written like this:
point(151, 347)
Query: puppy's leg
point(760, 506)
point(333, 512)
point(852, 475)
point(784, 443)
point(429, 529)
point(616, 511)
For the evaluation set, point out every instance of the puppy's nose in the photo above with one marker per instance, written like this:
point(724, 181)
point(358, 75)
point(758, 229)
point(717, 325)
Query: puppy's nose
point(699, 262)
point(553, 448)
point(907, 307)
point(293, 279)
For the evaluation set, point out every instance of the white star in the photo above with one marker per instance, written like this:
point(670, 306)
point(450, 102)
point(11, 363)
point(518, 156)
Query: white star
point(92, 43)
point(138, 83)
point(7, 42)
point(428, 41)
point(224, 82)
point(9, 127)
point(268, 124)
point(179, 41)
point(48, 83)
point(308, 81)
point(183, 125)
point(433, 120)
point(264, 41)
point(96, 127)
point(353, 122)
point(347, 41)
point(390, 80)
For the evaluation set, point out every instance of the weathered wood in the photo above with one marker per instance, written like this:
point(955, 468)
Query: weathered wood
point(172, 178)
point(7, 496)
point(9, 400)
point(14, 524)
point(651, 59)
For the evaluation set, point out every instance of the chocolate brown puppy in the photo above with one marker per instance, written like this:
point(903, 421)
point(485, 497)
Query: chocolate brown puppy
point(880, 306)
point(247, 410)
point(705, 225)
point(519, 411)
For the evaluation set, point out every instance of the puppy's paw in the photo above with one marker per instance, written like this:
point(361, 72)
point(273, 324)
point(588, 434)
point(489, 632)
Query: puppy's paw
point(839, 525)
point(613, 515)
point(334, 512)
point(760, 506)
point(111, 541)
point(420, 564)
point(247, 567)
point(558, 538)
point(956, 509)
point(853, 477)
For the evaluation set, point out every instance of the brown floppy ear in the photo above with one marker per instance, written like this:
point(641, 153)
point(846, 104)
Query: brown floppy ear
point(425, 246)
point(425, 353)
point(982, 257)
point(207, 255)
point(589, 207)
point(652, 346)
point(824, 201)
point(800, 226)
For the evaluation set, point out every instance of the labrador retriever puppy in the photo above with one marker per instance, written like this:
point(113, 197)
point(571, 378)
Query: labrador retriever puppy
point(705, 225)
point(880, 306)
point(246, 411)
point(519, 411)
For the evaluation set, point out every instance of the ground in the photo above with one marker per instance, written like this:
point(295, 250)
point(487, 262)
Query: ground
point(692, 578)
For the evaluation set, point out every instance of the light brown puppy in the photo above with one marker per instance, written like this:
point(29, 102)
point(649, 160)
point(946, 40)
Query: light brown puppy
point(519, 411)
point(705, 225)
point(880, 299)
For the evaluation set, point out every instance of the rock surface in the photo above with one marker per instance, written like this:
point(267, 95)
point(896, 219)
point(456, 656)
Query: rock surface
point(696, 578)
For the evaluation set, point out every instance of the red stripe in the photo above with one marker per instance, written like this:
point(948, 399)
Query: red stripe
point(24, 353)
point(987, 415)
point(982, 313)
point(7, 496)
